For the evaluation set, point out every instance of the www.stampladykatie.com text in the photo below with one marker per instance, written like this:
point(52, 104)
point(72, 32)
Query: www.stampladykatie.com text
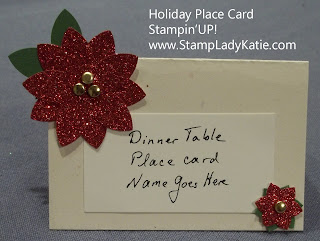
point(232, 45)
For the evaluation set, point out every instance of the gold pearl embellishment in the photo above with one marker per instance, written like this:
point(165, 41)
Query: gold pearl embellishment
point(94, 91)
point(87, 78)
point(280, 207)
point(79, 89)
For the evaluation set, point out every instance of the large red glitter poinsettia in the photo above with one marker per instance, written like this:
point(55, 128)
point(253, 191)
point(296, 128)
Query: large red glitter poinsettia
point(79, 112)
point(278, 206)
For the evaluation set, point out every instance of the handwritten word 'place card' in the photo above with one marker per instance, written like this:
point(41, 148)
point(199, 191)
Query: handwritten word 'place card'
point(208, 163)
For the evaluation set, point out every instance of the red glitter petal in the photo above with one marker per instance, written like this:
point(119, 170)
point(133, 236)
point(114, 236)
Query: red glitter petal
point(109, 82)
point(267, 223)
point(68, 126)
point(294, 208)
point(273, 190)
point(131, 93)
point(75, 47)
point(102, 45)
point(73, 122)
point(288, 194)
point(128, 91)
point(264, 204)
point(43, 111)
point(50, 86)
point(268, 218)
point(94, 133)
point(116, 116)
point(283, 222)
point(59, 88)
point(122, 65)
point(52, 57)
point(36, 84)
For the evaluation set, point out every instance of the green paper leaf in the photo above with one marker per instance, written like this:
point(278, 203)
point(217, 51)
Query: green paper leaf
point(272, 228)
point(264, 192)
point(26, 61)
point(300, 204)
point(293, 220)
point(60, 26)
point(257, 212)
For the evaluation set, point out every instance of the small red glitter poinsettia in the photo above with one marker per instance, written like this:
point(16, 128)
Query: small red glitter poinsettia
point(278, 206)
point(84, 87)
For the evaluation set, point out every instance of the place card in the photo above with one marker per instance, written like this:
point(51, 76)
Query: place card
point(259, 109)
point(167, 144)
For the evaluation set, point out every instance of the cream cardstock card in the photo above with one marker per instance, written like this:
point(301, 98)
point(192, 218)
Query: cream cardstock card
point(199, 163)
point(253, 114)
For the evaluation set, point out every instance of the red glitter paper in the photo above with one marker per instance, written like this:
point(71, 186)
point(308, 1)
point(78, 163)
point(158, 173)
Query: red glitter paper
point(266, 206)
point(83, 115)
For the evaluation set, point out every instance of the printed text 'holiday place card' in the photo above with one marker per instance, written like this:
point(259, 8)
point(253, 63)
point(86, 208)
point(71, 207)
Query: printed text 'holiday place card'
point(204, 163)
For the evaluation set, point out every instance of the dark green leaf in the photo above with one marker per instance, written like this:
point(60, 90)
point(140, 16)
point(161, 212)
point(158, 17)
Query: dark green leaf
point(26, 61)
point(60, 26)
point(300, 204)
point(257, 212)
point(264, 192)
point(293, 220)
point(272, 228)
